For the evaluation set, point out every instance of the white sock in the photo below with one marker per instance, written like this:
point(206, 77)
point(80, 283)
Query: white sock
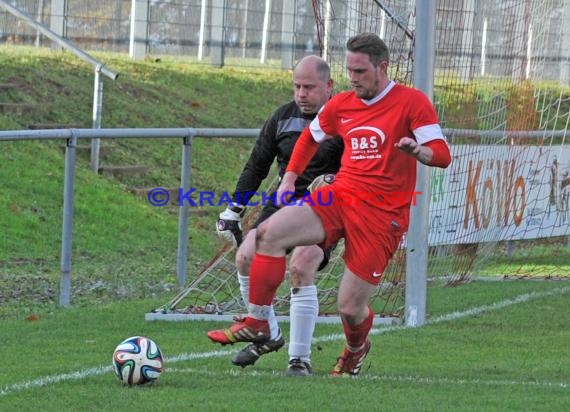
point(274, 330)
point(271, 319)
point(304, 311)
point(244, 288)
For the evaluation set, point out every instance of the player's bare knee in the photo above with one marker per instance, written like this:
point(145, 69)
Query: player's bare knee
point(349, 313)
point(301, 276)
point(307, 256)
point(304, 264)
point(295, 276)
point(261, 235)
point(243, 262)
point(266, 239)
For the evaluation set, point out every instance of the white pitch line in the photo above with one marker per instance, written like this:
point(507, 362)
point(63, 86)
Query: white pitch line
point(385, 378)
point(99, 370)
point(458, 315)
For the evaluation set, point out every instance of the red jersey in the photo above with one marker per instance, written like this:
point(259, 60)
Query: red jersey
point(370, 162)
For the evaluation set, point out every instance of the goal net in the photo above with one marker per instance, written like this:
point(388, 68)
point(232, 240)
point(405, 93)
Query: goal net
point(502, 208)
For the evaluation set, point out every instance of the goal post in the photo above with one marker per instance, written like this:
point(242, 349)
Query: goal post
point(418, 230)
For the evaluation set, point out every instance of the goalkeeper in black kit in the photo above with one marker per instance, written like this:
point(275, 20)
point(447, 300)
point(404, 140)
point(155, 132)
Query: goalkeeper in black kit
point(312, 89)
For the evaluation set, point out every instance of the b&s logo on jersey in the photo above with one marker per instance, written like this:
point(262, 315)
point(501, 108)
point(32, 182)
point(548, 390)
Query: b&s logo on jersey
point(365, 142)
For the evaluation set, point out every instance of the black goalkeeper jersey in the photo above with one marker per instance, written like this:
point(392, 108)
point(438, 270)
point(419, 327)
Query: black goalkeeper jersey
point(275, 142)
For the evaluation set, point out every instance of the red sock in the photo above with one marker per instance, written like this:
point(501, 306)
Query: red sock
point(356, 335)
point(265, 276)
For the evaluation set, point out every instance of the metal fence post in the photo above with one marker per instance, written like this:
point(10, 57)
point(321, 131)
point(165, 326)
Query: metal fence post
point(288, 34)
point(97, 109)
point(183, 209)
point(217, 36)
point(67, 226)
point(265, 34)
point(139, 29)
point(58, 18)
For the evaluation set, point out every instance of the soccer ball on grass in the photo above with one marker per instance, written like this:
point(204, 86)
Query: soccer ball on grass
point(137, 360)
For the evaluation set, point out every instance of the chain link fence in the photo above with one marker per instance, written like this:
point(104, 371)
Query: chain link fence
point(278, 33)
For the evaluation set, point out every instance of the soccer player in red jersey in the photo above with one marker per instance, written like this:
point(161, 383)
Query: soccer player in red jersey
point(386, 129)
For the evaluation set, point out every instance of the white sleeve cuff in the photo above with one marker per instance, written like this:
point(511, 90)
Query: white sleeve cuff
point(428, 133)
point(318, 134)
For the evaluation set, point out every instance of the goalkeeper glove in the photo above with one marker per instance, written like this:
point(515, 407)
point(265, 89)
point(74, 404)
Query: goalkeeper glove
point(228, 226)
point(321, 181)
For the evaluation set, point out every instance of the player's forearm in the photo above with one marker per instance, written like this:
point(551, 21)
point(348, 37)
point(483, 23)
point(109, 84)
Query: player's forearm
point(423, 154)
point(289, 178)
point(432, 153)
point(435, 153)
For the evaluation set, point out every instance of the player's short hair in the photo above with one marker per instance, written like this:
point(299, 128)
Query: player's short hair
point(370, 44)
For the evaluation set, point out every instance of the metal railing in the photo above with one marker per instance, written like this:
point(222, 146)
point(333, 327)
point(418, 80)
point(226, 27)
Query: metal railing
point(71, 136)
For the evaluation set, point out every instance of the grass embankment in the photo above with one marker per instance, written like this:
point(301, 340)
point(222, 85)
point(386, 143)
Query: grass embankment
point(122, 246)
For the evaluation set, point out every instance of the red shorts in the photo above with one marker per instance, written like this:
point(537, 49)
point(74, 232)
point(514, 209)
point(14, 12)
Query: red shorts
point(371, 236)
